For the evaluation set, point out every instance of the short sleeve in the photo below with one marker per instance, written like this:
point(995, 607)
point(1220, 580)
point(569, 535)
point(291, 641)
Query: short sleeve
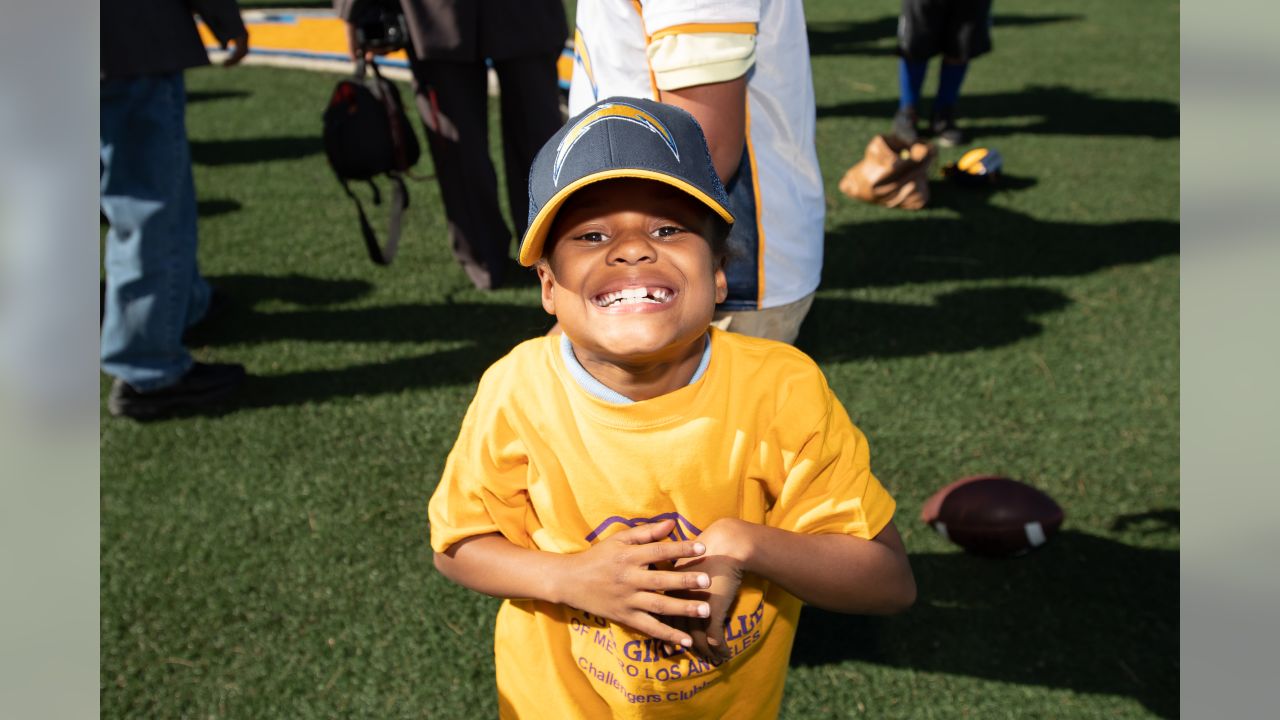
point(484, 487)
point(828, 486)
point(685, 59)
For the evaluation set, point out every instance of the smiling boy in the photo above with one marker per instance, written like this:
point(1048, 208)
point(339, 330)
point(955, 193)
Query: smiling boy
point(654, 498)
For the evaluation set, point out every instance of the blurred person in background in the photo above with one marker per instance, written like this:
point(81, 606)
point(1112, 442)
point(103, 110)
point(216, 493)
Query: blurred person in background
point(741, 68)
point(452, 44)
point(154, 290)
point(959, 30)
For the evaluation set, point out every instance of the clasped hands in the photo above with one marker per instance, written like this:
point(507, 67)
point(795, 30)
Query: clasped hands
point(676, 592)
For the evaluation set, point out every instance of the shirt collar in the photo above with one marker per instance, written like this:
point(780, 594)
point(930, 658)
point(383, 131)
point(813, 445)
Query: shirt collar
point(598, 389)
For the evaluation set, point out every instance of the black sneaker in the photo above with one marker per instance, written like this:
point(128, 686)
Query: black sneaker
point(202, 386)
point(904, 125)
point(943, 127)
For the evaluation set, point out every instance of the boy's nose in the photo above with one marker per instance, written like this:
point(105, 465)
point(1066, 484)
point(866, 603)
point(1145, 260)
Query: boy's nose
point(632, 247)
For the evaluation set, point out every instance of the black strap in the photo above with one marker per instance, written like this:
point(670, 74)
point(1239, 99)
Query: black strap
point(399, 202)
point(399, 193)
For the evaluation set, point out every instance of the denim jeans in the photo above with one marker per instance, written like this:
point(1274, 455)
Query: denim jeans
point(154, 289)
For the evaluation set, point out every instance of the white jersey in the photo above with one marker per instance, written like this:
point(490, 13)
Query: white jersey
point(778, 258)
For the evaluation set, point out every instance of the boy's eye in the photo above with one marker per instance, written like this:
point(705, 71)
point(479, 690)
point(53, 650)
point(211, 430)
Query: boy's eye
point(669, 230)
point(592, 237)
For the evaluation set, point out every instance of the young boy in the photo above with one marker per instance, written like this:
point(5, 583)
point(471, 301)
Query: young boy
point(654, 498)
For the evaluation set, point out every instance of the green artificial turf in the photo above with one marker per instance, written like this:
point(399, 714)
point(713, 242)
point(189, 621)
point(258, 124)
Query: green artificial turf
point(272, 561)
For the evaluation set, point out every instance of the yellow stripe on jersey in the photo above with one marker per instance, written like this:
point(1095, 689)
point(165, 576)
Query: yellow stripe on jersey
point(583, 58)
point(755, 190)
point(744, 28)
point(653, 82)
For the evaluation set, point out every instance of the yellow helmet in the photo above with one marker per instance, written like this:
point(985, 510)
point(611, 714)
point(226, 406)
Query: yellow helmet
point(978, 166)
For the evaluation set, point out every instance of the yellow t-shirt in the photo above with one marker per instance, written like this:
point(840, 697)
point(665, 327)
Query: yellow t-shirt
point(759, 437)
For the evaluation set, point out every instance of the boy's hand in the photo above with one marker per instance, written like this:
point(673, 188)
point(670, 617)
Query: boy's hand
point(615, 579)
point(722, 564)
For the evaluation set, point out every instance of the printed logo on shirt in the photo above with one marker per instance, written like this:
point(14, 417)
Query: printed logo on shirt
point(611, 111)
point(684, 529)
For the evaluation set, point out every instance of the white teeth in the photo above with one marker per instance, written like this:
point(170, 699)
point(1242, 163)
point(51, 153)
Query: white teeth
point(632, 295)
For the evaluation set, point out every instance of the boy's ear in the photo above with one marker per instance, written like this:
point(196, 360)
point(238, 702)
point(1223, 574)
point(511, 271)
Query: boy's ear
point(722, 284)
point(547, 281)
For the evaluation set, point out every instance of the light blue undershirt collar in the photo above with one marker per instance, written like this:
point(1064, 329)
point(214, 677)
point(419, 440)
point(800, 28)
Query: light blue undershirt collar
point(593, 386)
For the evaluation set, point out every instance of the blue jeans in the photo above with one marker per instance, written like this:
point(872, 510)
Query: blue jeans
point(154, 289)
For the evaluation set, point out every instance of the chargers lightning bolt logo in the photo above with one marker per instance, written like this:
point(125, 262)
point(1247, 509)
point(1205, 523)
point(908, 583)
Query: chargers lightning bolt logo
point(684, 529)
point(604, 113)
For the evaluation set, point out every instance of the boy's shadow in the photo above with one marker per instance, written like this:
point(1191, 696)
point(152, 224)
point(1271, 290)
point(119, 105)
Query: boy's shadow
point(1083, 613)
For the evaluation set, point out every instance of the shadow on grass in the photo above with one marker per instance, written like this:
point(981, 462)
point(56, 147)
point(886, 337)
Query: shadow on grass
point(245, 291)
point(489, 331)
point(1053, 110)
point(196, 96)
point(255, 150)
point(985, 242)
point(864, 37)
point(216, 206)
point(1083, 613)
point(958, 321)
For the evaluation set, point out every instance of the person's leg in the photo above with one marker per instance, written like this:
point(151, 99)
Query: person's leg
point(530, 97)
point(967, 36)
point(453, 100)
point(910, 81)
point(942, 119)
point(949, 81)
point(917, 42)
point(149, 201)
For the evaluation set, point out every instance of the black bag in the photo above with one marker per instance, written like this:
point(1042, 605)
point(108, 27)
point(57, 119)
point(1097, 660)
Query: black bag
point(367, 134)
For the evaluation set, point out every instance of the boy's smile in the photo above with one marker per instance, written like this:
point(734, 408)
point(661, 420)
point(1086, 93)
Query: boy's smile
point(623, 300)
point(632, 280)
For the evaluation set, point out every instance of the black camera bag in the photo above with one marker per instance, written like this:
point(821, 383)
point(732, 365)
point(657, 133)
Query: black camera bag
point(367, 134)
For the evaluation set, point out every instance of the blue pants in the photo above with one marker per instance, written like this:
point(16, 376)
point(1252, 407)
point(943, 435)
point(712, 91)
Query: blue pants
point(154, 289)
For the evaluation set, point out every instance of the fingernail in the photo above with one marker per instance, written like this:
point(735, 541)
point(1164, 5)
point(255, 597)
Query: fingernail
point(704, 610)
point(699, 548)
point(704, 581)
point(686, 642)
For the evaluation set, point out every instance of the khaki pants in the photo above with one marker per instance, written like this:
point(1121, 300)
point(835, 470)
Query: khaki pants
point(780, 323)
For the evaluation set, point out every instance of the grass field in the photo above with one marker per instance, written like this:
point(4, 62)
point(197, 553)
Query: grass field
point(271, 561)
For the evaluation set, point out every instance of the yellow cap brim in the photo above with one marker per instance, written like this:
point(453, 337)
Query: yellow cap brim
point(536, 236)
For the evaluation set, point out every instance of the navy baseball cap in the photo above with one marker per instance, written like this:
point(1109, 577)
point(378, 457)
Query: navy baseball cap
point(619, 137)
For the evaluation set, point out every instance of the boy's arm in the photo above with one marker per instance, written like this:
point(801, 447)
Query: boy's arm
point(721, 109)
point(700, 59)
point(613, 578)
point(835, 572)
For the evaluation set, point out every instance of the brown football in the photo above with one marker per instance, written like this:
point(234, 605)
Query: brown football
point(993, 515)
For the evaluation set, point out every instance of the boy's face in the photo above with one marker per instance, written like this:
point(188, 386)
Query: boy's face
point(630, 277)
